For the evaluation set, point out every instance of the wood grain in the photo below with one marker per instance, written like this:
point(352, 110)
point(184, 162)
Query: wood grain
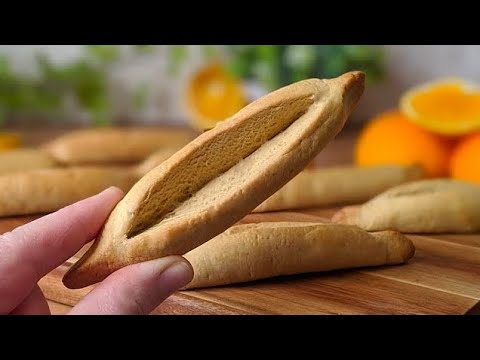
point(442, 278)
point(449, 275)
point(336, 293)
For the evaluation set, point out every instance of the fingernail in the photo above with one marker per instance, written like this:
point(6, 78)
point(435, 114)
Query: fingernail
point(112, 189)
point(176, 276)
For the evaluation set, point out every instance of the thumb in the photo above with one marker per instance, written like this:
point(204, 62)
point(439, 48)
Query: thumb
point(137, 289)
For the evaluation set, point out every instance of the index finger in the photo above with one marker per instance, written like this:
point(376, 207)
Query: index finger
point(32, 250)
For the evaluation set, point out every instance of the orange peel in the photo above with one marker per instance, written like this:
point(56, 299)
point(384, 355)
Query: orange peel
point(390, 139)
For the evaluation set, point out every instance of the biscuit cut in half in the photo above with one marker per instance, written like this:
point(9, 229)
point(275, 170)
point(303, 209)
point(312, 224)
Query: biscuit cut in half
point(426, 206)
point(259, 251)
point(220, 176)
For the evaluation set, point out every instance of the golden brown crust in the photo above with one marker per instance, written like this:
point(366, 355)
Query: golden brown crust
point(399, 248)
point(258, 251)
point(427, 206)
point(25, 159)
point(113, 145)
point(47, 190)
point(221, 176)
point(339, 185)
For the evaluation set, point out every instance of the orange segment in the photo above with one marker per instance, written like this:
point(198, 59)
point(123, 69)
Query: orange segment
point(391, 139)
point(212, 96)
point(9, 141)
point(449, 107)
point(465, 160)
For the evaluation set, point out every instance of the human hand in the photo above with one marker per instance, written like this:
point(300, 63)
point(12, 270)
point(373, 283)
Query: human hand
point(31, 251)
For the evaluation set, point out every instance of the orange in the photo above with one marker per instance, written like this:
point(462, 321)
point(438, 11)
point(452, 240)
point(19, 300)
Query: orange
point(465, 160)
point(212, 96)
point(9, 141)
point(391, 139)
point(450, 107)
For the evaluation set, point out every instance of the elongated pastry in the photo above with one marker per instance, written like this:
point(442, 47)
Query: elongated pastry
point(24, 159)
point(426, 206)
point(47, 190)
point(154, 160)
point(338, 185)
point(221, 176)
point(259, 251)
point(113, 145)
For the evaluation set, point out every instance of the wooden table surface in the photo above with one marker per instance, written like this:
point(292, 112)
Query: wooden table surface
point(442, 278)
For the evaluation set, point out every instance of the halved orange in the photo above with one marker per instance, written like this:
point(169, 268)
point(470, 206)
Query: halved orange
point(449, 107)
point(213, 95)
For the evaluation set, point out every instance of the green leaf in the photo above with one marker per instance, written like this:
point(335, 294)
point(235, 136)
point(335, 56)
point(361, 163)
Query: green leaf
point(264, 73)
point(267, 67)
point(266, 52)
point(334, 66)
point(209, 51)
point(4, 66)
point(3, 116)
point(101, 117)
point(140, 97)
point(100, 111)
point(42, 62)
point(299, 60)
point(241, 60)
point(105, 54)
point(177, 56)
point(238, 66)
point(48, 73)
point(144, 49)
point(300, 56)
point(47, 100)
point(85, 80)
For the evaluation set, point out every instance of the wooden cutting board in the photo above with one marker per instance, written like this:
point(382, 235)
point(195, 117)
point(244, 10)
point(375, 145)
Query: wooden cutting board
point(442, 278)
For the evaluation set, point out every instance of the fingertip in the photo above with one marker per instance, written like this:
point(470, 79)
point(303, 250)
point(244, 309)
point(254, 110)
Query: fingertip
point(171, 272)
point(179, 273)
point(110, 196)
point(182, 260)
point(138, 288)
point(113, 191)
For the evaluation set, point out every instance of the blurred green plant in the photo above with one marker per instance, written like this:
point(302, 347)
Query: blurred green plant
point(86, 79)
point(279, 65)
